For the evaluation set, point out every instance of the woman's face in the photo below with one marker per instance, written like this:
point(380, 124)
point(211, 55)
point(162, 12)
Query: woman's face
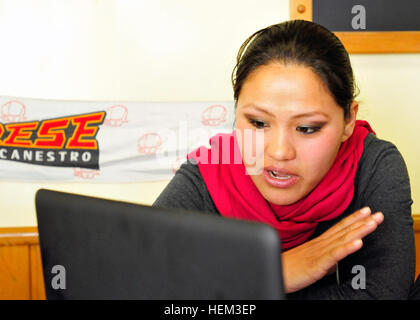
point(302, 125)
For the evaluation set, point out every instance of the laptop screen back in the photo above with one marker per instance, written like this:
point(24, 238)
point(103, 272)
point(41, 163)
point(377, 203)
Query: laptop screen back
point(101, 249)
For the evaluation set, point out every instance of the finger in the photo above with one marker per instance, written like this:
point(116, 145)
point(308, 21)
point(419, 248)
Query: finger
point(379, 217)
point(357, 233)
point(341, 251)
point(337, 253)
point(368, 224)
point(357, 215)
point(345, 245)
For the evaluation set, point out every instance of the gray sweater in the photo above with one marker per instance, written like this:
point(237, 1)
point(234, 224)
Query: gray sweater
point(385, 266)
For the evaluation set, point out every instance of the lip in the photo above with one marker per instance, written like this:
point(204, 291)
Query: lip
point(280, 170)
point(280, 183)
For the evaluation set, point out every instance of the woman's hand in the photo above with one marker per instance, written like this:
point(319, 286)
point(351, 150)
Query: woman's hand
point(311, 261)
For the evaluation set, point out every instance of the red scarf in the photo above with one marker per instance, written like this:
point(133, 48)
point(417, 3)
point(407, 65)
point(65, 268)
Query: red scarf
point(236, 196)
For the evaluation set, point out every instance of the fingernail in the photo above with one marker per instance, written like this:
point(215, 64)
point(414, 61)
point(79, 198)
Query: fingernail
point(357, 242)
point(378, 216)
point(365, 210)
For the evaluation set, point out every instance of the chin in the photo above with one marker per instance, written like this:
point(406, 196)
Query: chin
point(280, 197)
point(284, 201)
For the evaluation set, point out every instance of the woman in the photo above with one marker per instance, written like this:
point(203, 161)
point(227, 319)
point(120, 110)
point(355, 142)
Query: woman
point(338, 195)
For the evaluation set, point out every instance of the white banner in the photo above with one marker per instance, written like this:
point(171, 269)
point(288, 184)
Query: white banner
point(51, 140)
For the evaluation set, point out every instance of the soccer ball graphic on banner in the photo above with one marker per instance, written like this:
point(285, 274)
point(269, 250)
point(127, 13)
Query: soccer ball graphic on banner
point(13, 111)
point(214, 115)
point(116, 116)
point(85, 173)
point(149, 143)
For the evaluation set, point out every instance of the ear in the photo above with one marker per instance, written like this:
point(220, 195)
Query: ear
point(350, 121)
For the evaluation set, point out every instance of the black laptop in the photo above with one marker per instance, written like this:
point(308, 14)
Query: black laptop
point(102, 249)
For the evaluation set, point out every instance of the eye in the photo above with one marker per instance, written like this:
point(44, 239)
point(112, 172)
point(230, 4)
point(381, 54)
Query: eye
point(258, 124)
point(308, 130)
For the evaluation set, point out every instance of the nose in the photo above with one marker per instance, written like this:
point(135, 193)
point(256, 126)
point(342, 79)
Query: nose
point(280, 147)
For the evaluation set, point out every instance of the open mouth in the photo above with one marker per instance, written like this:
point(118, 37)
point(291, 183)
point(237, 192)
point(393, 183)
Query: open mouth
point(280, 179)
point(278, 176)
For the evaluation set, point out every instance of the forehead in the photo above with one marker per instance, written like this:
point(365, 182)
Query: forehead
point(280, 87)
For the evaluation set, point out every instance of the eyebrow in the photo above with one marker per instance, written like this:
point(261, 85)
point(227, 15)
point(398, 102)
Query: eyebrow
point(306, 114)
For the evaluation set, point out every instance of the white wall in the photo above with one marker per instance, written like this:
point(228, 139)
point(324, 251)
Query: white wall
point(150, 50)
point(165, 51)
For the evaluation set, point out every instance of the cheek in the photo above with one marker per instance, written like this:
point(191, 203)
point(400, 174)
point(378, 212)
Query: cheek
point(317, 158)
point(251, 140)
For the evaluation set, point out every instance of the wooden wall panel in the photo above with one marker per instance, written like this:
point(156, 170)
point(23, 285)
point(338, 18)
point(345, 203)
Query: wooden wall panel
point(417, 240)
point(300, 10)
point(37, 277)
point(14, 273)
point(20, 264)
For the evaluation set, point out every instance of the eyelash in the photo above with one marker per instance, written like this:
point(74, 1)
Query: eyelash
point(261, 124)
point(314, 129)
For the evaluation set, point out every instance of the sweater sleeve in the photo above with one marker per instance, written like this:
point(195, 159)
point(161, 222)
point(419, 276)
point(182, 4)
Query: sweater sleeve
point(385, 266)
point(187, 190)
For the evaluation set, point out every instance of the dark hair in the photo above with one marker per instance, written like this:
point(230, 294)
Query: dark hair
point(303, 43)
